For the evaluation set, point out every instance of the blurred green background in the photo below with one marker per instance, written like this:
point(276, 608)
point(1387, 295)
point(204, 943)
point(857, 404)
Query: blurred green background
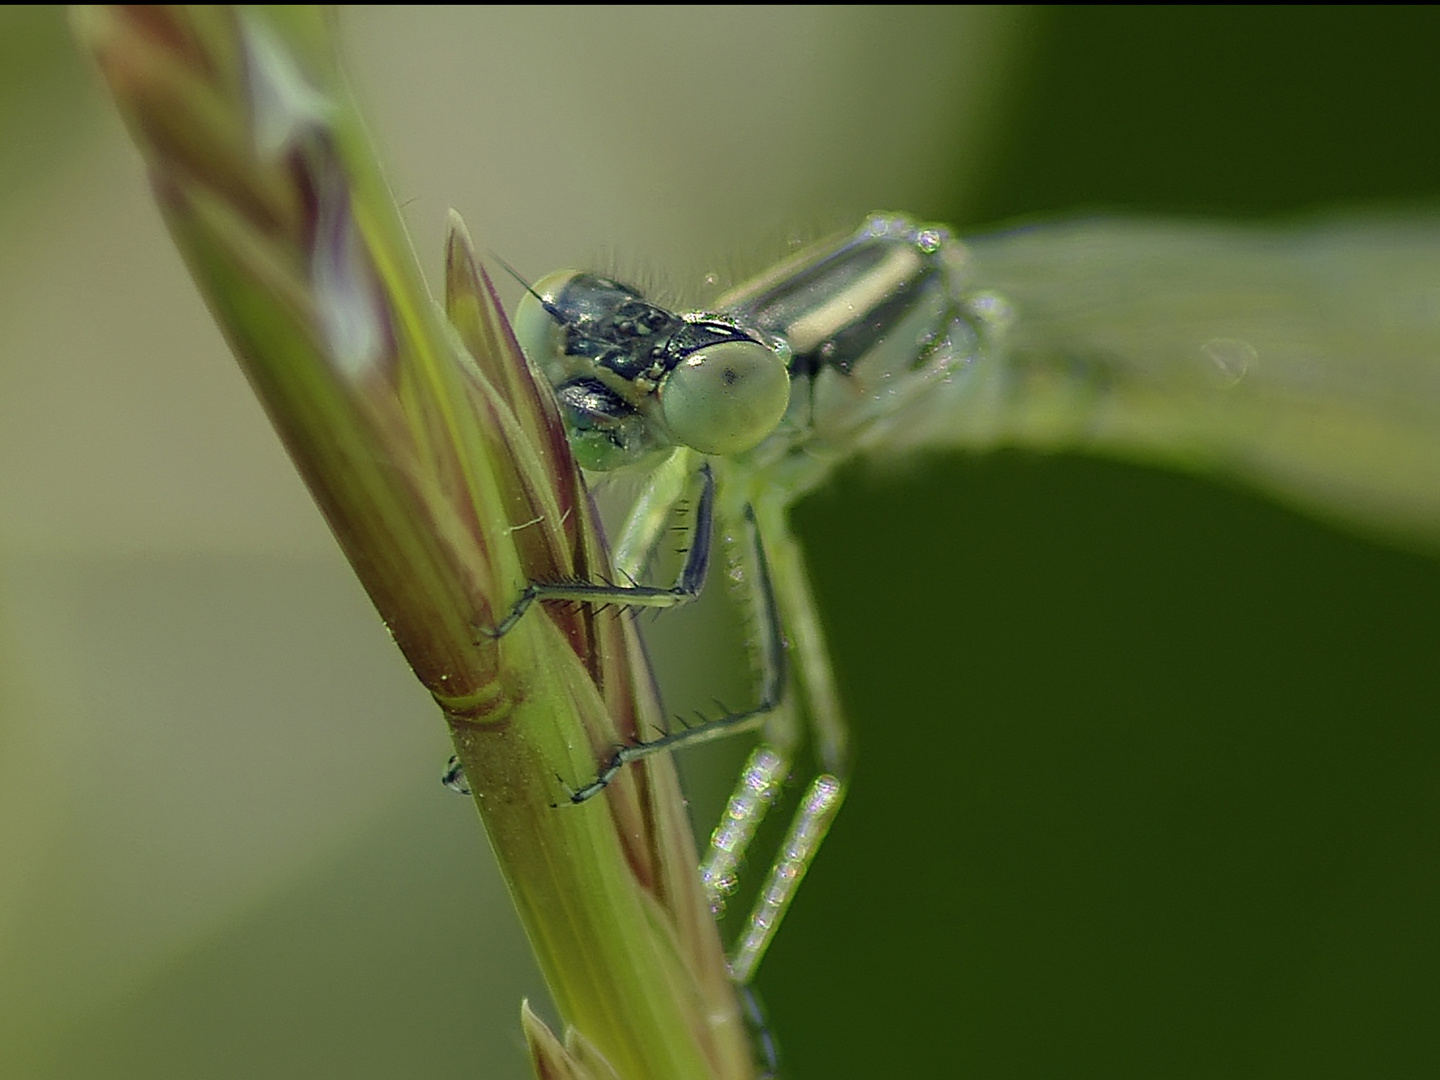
point(1147, 777)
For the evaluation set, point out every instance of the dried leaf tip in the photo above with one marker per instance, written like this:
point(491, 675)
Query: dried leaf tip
point(575, 1059)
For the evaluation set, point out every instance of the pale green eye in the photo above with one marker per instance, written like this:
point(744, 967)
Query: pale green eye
point(537, 330)
point(725, 398)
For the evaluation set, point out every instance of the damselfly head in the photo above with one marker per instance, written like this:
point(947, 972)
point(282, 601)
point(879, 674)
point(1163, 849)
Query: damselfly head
point(634, 379)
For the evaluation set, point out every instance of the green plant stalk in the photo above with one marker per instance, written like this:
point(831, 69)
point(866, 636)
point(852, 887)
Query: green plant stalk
point(440, 464)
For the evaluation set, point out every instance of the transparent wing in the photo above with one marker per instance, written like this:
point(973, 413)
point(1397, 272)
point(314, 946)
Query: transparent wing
point(1303, 360)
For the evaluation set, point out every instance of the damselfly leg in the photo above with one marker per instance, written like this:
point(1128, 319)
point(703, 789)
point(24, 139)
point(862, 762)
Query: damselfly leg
point(770, 763)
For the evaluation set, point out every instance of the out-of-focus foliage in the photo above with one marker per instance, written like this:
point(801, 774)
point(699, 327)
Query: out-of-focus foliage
point(43, 114)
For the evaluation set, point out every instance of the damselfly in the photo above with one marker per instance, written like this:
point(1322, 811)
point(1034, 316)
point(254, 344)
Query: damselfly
point(754, 403)
point(1304, 360)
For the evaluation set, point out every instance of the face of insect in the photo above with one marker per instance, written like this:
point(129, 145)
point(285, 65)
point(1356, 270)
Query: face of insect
point(634, 380)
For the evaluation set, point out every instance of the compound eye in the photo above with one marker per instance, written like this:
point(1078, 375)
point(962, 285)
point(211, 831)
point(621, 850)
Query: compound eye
point(539, 333)
point(725, 398)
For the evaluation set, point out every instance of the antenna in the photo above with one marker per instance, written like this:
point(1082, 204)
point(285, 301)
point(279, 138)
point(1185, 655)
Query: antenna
point(550, 309)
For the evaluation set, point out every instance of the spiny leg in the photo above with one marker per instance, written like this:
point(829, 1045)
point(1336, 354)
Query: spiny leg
point(795, 603)
point(772, 654)
point(807, 830)
point(768, 766)
point(686, 588)
point(793, 608)
point(641, 533)
point(650, 516)
point(759, 785)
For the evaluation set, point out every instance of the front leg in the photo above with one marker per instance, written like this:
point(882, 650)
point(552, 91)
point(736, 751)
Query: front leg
point(773, 683)
point(686, 588)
